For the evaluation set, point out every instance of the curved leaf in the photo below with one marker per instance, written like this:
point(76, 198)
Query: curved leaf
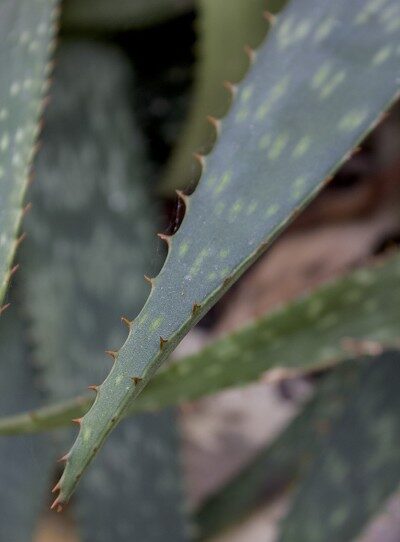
point(352, 315)
point(26, 36)
point(307, 100)
point(91, 228)
point(358, 465)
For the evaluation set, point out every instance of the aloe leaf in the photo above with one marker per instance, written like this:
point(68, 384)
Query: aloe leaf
point(276, 466)
point(358, 467)
point(106, 16)
point(26, 37)
point(224, 28)
point(354, 313)
point(273, 155)
point(24, 460)
point(91, 230)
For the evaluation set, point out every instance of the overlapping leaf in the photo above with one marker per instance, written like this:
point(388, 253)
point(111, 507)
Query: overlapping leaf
point(91, 231)
point(319, 83)
point(354, 314)
point(26, 38)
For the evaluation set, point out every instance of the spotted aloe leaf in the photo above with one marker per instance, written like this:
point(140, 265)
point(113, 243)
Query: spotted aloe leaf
point(26, 39)
point(308, 99)
point(279, 464)
point(104, 16)
point(353, 314)
point(224, 28)
point(89, 245)
point(357, 467)
point(25, 462)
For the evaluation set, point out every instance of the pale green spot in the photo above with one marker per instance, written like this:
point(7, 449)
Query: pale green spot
point(284, 31)
point(264, 141)
point(272, 210)
point(303, 29)
point(212, 276)
point(321, 75)
point(224, 253)
point(276, 92)
point(156, 323)
point(118, 380)
point(299, 185)
point(225, 180)
point(371, 8)
point(242, 114)
point(289, 33)
point(223, 274)
point(15, 88)
point(329, 88)
point(4, 142)
point(235, 209)
point(382, 55)
point(247, 93)
point(278, 146)
point(183, 248)
point(279, 89)
point(198, 262)
point(324, 29)
point(352, 120)
point(263, 110)
point(143, 319)
point(87, 433)
point(301, 147)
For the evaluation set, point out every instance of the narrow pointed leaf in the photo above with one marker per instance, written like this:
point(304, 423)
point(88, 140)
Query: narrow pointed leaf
point(354, 314)
point(91, 228)
point(26, 38)
point(306, 102)
point(277, 466)
point(358, 467)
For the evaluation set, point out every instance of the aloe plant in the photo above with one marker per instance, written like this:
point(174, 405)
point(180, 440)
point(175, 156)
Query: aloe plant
point(354, 314)
point(356, 466)
point(114, 218)
point(323, 78)
point(244, 199)
point(313, 448)
point(26, 29)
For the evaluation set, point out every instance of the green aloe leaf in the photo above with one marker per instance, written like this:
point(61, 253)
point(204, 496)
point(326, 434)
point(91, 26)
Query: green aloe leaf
point(358, 465)
point(224, 28)
point(352, 314)
point(25, 461)
point(92, 228)
point(308, 99)
point(26, 39)
point(279, 464)
point(106, 16)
